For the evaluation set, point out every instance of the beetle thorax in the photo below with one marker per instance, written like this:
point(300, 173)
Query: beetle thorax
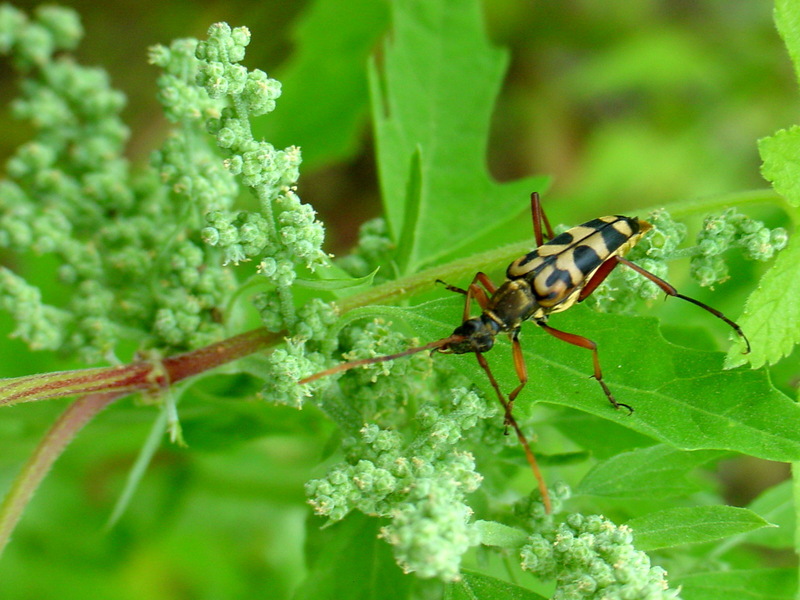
point(513, 303)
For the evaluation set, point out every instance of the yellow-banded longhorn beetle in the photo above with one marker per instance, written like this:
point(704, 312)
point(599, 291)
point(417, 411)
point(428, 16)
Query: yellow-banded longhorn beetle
point(549, 279)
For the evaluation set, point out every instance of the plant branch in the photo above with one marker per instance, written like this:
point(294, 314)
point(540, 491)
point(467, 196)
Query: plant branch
point(115, 383)
point(796, 509)
point(136, 376)
point(49, 449)
point(144, 375)
point(425, 280)
point(688, 208)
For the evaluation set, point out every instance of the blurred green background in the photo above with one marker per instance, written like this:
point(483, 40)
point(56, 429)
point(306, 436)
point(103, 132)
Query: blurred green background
point(625, 104)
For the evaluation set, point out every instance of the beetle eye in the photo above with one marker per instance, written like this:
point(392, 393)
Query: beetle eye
point(484, 343)
point(468, 328)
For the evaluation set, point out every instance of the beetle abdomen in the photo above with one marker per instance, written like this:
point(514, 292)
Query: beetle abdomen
point(563, 265)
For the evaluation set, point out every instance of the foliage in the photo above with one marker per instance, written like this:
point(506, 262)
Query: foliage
point(158, 269)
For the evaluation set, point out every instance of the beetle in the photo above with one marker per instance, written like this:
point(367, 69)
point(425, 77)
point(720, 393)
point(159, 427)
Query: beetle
point(553, 277)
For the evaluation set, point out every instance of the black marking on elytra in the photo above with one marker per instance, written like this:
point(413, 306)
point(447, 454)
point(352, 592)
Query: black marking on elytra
point(559, 275)
point(526, 259)
point(564, 239)
point(586, 259)
point(613, 238)
point(597, 224)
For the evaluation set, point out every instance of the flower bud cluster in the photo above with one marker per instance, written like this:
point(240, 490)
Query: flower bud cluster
point(395, 389)
point(530, 510)
point(592, 558)
point(39, 325)
point(244, 236)
point(32, 43)
point(420, 485)
point(720, 233)
point(182, 100)
point(664, 240)
point(221, 76)
point(128, 247)
point(194, 175)
point(306, 352)
point(311, 342)
point(205, 87)
point(379, 338)
point(732, 229)
point(285, 235)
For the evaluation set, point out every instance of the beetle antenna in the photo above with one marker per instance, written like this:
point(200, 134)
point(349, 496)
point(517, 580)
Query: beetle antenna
point(379, 359)
point(719, 315)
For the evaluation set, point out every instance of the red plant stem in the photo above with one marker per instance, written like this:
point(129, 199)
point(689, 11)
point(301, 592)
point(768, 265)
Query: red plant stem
point(137, 376)
point(49, 449)
point(192, 363)
point(108, 385)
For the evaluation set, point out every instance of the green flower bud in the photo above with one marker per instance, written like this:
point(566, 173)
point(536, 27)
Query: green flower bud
point(12, 22)
point(63, 24)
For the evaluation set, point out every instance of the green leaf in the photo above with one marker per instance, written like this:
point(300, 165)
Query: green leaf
point(771, 316)
point(139, 468)
point(780, 154)
point(787, 20)
point(692, 525)
point(476, 586)
point(777, 505)
point(324, 102)
point(344, 283)
point(680, 397)
point(435, 97)
point(752, 584)
point(493, 533)
point(602, 438)
point(412, 211)
point(656, 472)
point(348, 560)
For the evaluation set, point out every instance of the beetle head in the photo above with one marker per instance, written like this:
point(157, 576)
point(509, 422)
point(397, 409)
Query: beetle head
point(477, 335)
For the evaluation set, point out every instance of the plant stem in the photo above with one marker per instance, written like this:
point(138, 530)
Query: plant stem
point(720, 202)
point(456, 270)
point(796, 501)
point(115, 383)
point(49, 449)
point(143, 375)
point(138, 376)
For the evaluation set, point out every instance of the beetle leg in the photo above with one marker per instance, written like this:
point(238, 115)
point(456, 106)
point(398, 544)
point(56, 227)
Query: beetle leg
point(478, 292)
point(522, 372)
point(582, 342)
point(537, 212)
point(452, 288)
point(474, 291)
point(510, 420)
point(598, 277)
point(484, 279)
